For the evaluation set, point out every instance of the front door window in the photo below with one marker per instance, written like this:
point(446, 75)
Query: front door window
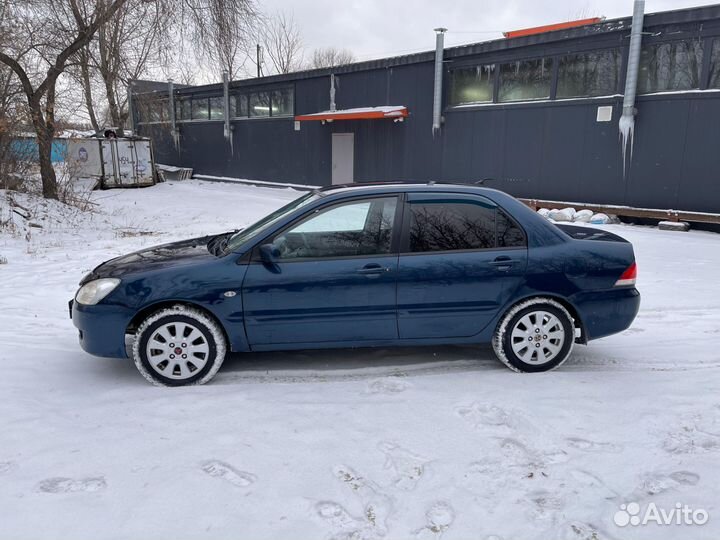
point(354, 229)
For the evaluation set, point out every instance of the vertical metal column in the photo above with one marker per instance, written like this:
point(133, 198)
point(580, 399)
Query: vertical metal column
point(227, 130)
point(332, 92)
point(626, 125)
point(171, 111)
point(437, 97)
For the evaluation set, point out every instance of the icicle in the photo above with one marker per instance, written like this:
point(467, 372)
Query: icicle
point(626, 128)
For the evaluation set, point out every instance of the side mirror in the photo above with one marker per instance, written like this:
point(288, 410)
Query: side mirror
point(269, 253)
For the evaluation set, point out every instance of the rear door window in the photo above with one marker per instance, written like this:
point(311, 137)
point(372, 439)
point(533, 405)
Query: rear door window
point(508, 233)
point(460, 226)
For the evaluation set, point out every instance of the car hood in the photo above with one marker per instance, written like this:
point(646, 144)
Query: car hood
point(155, 258)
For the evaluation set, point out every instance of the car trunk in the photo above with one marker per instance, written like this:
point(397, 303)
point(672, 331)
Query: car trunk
point(589, 233)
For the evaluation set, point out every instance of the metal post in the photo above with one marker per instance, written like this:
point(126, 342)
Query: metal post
point(626, 125)
point(437, 97)
point(332, 92)
point(131, 108)
point(226, 108)
point(171, 111)
point(258, 59)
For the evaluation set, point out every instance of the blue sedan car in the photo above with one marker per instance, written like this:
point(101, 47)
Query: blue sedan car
point(364, 266)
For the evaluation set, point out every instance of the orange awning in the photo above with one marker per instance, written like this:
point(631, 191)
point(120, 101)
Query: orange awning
point(364, 113)
point(551, 27)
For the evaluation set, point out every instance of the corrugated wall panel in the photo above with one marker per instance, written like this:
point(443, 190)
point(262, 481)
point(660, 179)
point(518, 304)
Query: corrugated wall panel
point(700, 187)
point(660, 132)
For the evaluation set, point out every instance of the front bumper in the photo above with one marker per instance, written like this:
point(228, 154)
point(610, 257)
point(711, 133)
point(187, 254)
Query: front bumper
point(101, 328)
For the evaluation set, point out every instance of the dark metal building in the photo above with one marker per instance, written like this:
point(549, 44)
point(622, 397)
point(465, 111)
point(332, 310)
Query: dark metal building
point(538, 114)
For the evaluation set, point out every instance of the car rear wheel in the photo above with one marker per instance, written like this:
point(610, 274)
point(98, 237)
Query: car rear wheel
point(535, 335)
point(179, 346)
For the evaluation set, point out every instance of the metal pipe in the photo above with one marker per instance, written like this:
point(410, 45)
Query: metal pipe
point(332, 92)
point(437, 97)
point(131, 108)
point(627, 120)
point(226, 109)
point(171, 112)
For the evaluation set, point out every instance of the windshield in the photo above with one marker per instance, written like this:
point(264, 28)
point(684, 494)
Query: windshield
point(248, 233)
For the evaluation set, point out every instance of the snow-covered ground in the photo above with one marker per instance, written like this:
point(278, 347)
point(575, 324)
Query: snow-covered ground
point(396, 444)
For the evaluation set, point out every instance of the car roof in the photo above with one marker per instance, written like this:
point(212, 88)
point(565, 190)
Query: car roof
point(395, 187)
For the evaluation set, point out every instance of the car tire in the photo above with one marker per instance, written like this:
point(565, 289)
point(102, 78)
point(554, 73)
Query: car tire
point(535, 335)
point(179, 346)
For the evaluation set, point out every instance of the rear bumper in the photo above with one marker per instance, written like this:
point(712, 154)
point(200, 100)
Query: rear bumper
point(101, 328)
point(604, 313)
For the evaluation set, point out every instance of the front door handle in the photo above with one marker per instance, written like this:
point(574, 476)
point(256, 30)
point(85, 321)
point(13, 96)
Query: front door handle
point(373, 269)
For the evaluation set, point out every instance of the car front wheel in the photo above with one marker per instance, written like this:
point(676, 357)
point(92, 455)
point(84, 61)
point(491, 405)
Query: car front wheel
point(179, 346)
point(535, 335)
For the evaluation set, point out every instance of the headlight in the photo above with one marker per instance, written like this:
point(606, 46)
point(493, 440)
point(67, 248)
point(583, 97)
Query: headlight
point(91, 293)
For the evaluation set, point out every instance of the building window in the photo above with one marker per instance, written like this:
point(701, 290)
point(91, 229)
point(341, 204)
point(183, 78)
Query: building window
point(259, 104)
point(217, 108)
point(525, 80)
point(589, 74)
point(282, 102)
point(200, 109)
point(666, 67)
point(241, 106)
point(182, 109)
point(263, 104)
point(155, 110)
point(472, 85)
point(159, 111)
point(715, 65)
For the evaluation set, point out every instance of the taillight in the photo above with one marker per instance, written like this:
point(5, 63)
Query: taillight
point(628, 277)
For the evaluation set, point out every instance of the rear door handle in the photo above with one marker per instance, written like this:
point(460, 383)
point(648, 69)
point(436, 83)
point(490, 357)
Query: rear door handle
point(502, 263)
point(372, 269)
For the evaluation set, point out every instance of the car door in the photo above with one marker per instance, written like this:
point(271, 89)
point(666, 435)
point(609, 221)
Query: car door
point(332, 278)
point(461, 259)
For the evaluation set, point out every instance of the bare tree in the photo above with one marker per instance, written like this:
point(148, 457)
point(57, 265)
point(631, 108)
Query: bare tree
point(13, 156)
point(84, 76)
point(182, 72)
point(127, 47)
point(220, 30)
point(330, 56)
point(282, 43)
point(39, 37)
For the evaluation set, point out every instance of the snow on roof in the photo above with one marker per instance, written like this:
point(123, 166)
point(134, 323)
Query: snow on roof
point(360, 113)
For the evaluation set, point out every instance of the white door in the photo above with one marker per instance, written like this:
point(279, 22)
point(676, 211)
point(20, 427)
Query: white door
point(343, 155)
point(109, 157)
point(125, 151)
point(143, 163)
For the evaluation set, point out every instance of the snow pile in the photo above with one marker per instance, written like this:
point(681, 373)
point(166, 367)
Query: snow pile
point(568, 215)
point(600, 219)
point(583, 216)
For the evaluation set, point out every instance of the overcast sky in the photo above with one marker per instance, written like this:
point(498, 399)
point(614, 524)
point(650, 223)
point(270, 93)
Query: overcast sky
point(379, 28)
